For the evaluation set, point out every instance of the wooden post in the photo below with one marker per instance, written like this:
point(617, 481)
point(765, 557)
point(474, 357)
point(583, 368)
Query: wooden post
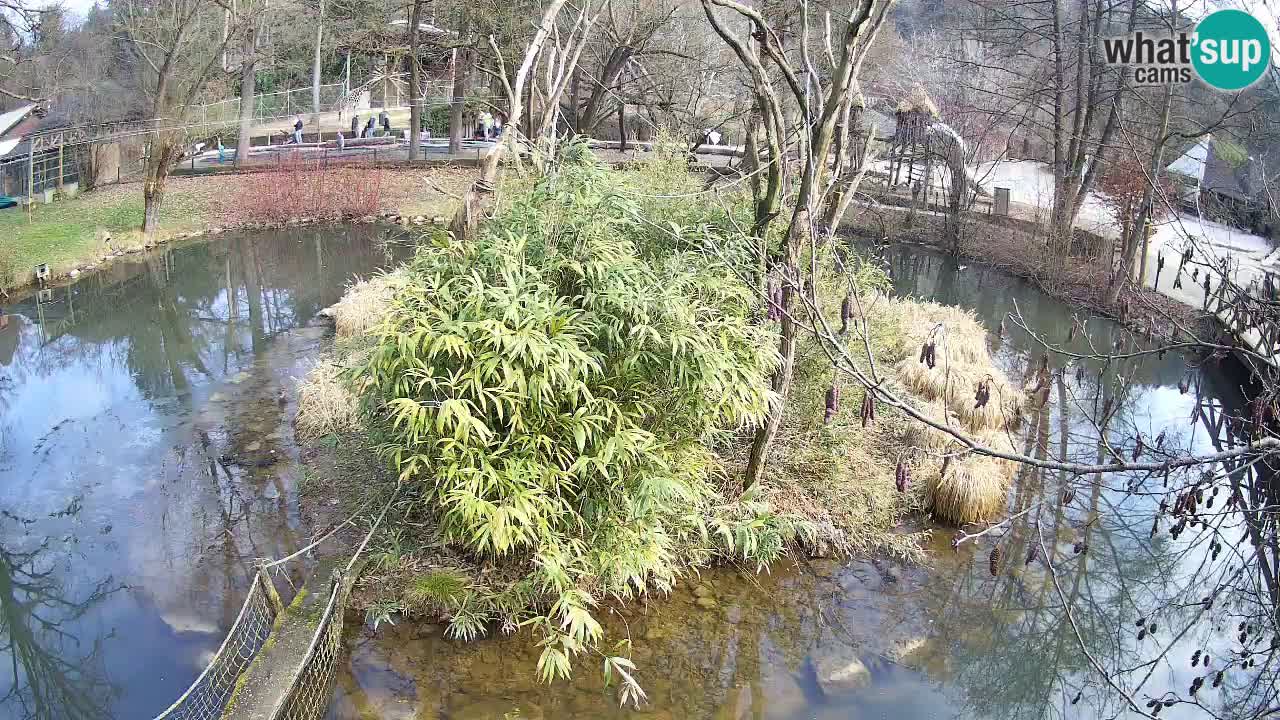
point(622, 127)
point(60, 166)
point(270, 589)
point(31, 178)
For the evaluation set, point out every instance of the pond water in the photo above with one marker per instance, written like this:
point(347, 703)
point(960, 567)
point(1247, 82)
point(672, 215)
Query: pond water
point(945, 641)
point(147, 459)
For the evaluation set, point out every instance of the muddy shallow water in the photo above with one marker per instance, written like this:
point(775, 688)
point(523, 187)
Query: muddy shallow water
point(879, 639)
point(147, 458)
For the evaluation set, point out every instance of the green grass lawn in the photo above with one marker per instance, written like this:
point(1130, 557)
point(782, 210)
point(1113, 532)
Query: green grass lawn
point(67, 233)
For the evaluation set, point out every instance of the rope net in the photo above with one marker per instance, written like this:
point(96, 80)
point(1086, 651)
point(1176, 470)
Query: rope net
point(208, 695)
point(308, 695)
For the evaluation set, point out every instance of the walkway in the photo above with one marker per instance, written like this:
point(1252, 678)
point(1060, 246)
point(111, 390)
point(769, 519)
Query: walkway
point(264, 686)
point(279, 663)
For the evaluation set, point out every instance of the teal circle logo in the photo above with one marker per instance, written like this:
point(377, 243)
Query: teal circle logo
point(1232, 50)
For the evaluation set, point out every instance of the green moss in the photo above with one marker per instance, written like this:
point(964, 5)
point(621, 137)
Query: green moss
point(1231, 153)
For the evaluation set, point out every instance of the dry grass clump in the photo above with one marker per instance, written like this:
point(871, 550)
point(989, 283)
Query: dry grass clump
point(959, 384)
point(365, 304)
point(972, 488)
point(962, 337)
point(326, 404)
point(961, 488)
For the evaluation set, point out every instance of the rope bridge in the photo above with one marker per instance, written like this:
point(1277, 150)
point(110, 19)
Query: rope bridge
point(208, 695)
point(277, 663)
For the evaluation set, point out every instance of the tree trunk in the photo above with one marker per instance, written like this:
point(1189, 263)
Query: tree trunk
point(415, 81)
point(592, 114)
point(763, 439)
point(461, 73)
point(466, 221)
point(1138, 231)
point(153, 186)
point(248, 97)
point(315, 70)
point(574, 100)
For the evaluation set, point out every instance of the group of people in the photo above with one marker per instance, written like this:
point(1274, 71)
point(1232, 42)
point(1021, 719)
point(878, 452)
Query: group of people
point(382, 119)
point(371, 128)
point(487, 127)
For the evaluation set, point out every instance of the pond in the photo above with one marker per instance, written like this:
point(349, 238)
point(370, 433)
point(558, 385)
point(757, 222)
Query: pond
point(951, 640)
point(147, 460)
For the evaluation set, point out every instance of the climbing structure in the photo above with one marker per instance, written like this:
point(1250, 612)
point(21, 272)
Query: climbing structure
point(919, 141)
point(910, 145)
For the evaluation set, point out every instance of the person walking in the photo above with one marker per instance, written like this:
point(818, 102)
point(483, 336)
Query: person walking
point(355, 125)
point(385, 120)
point(297, 130)
point(369, 129)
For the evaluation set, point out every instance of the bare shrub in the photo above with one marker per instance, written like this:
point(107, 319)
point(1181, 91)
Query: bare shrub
point(300, 188)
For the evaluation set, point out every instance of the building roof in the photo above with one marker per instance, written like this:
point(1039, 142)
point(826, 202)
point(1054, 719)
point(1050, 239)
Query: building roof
point(16, 125)
point(13, 117)
point(919, 101)
point(426, 28)
point(1221, 167)
point(1191, 163)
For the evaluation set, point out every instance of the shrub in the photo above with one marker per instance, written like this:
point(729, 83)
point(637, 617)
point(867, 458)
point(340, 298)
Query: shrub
point(553, 390)
point(301, 188)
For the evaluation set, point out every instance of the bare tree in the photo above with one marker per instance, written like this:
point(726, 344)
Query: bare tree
point(825, 100)
point(467, 219)
point(19, 23)
point(178, 46)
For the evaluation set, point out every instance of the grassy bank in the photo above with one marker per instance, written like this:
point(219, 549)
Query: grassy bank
point(83, 232)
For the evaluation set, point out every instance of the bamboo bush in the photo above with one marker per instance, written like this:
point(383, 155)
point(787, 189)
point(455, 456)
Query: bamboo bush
point(553, 388)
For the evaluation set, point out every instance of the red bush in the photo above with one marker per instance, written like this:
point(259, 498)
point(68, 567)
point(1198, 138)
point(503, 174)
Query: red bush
point(1123, 183)
point(300, 188)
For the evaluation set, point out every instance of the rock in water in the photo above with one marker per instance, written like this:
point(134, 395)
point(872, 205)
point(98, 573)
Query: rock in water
point(838, 669)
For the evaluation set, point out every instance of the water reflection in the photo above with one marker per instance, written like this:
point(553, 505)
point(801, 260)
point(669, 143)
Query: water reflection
point(52, 672)
point(953, 640)
point(148, 394)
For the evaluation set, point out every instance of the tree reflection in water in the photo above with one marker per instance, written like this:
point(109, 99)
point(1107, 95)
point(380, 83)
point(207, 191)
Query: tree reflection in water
point(52, 674)
point(1115, 613)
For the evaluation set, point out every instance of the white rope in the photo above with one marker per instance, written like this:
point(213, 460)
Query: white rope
point(349, 521)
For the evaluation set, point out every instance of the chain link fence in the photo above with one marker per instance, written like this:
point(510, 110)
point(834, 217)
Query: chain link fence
point(334, 97)
point(207, 697)
point(269, 106)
